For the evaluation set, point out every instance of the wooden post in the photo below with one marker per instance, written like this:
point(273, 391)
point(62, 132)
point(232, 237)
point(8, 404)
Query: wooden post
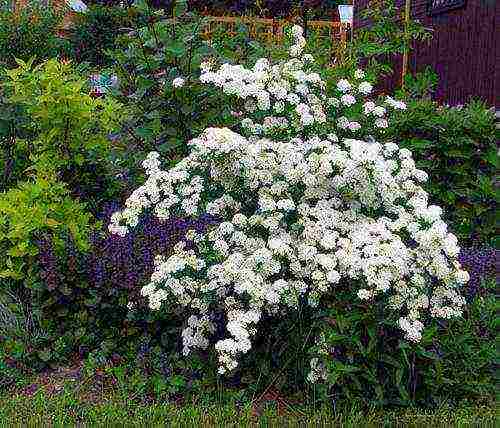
point(404, 70)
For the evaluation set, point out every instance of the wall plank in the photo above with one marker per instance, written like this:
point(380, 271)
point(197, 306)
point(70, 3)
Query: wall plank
point(464, 51)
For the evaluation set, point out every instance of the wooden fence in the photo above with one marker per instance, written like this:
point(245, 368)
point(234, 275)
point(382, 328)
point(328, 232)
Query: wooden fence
point(272, 30)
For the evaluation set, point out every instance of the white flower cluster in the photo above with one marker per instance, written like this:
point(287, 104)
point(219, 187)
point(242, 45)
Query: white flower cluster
point(299, 216)
point(178, 82)
point(290, 99)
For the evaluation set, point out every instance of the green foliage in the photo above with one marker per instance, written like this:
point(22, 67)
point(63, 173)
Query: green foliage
point(161, 116)
point(94, 32)
point(53, 128)
point(457, 148)
point(419, 85)
point(29, 210)
point(367, 360)
point(55, 153)
point(31, 32)
point(241, 48)
point(21, 332)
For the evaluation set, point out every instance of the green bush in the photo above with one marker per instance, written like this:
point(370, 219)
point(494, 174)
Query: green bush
point(367, 360)
point(57, 163)
point(27, 211)
point(52, 128)
point(161, 115)
point(31, 32)
point(457, 147)
point(94, 32)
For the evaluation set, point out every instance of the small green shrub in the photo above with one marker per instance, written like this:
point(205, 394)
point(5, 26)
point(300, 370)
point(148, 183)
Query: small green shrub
point(53, 128)
point(31, 209)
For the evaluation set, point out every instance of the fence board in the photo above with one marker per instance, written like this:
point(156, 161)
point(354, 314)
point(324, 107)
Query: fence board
point(273, 29)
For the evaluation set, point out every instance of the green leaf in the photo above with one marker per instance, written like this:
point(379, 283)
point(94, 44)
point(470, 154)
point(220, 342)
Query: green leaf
point(178, 381)
point(145, 133)
point(417, 144)
point(176, 49)
point(491, 156)
point(44, 355)
point(144, 83)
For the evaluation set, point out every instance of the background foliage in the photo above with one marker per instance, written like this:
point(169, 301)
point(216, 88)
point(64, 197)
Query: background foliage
point(95, 31)
point(457, 147)
point(31, 32)
point(159, 115)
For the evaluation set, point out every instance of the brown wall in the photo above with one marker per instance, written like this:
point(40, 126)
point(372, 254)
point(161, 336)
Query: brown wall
point(464, 50)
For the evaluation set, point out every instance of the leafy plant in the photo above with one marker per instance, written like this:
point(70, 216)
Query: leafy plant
point(31, 32)
point(366, 360)
point(158, 70)
point(94, 32)
point(54, 129)
point(86, 290)
point(32, 208)
point(457, 147)
point(420, 85)
point(55, 149)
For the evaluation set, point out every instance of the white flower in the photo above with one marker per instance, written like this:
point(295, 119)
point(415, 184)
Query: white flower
point(399, 105)
point(365, 88)
point(343, 85)
point(343, 122)
point(333, 276)
point(308, 58)
point(359, 74)
point(381, 123)
point(178, 82)
point(368, 107)
point(297, 31)
point(364, 294)
point(348, 100)
point(354, 126)
point(379, 111)
point(333, 102)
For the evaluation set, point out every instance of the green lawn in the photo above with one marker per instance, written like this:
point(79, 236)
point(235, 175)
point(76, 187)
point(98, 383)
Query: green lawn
point(68, 408)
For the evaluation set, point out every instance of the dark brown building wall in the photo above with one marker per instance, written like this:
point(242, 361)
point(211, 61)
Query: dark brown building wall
point(464, 50)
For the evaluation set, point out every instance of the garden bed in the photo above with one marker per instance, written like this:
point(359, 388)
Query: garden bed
point(235, 225)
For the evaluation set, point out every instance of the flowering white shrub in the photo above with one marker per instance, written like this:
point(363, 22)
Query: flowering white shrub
point(302, 209)
point(289, 99)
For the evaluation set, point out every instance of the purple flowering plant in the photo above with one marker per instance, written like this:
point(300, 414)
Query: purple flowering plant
point(89, 295)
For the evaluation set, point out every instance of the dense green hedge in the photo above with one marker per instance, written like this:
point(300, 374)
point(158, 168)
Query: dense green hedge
point(457, 147)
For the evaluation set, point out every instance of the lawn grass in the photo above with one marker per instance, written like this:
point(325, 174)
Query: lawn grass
point(66, 408)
